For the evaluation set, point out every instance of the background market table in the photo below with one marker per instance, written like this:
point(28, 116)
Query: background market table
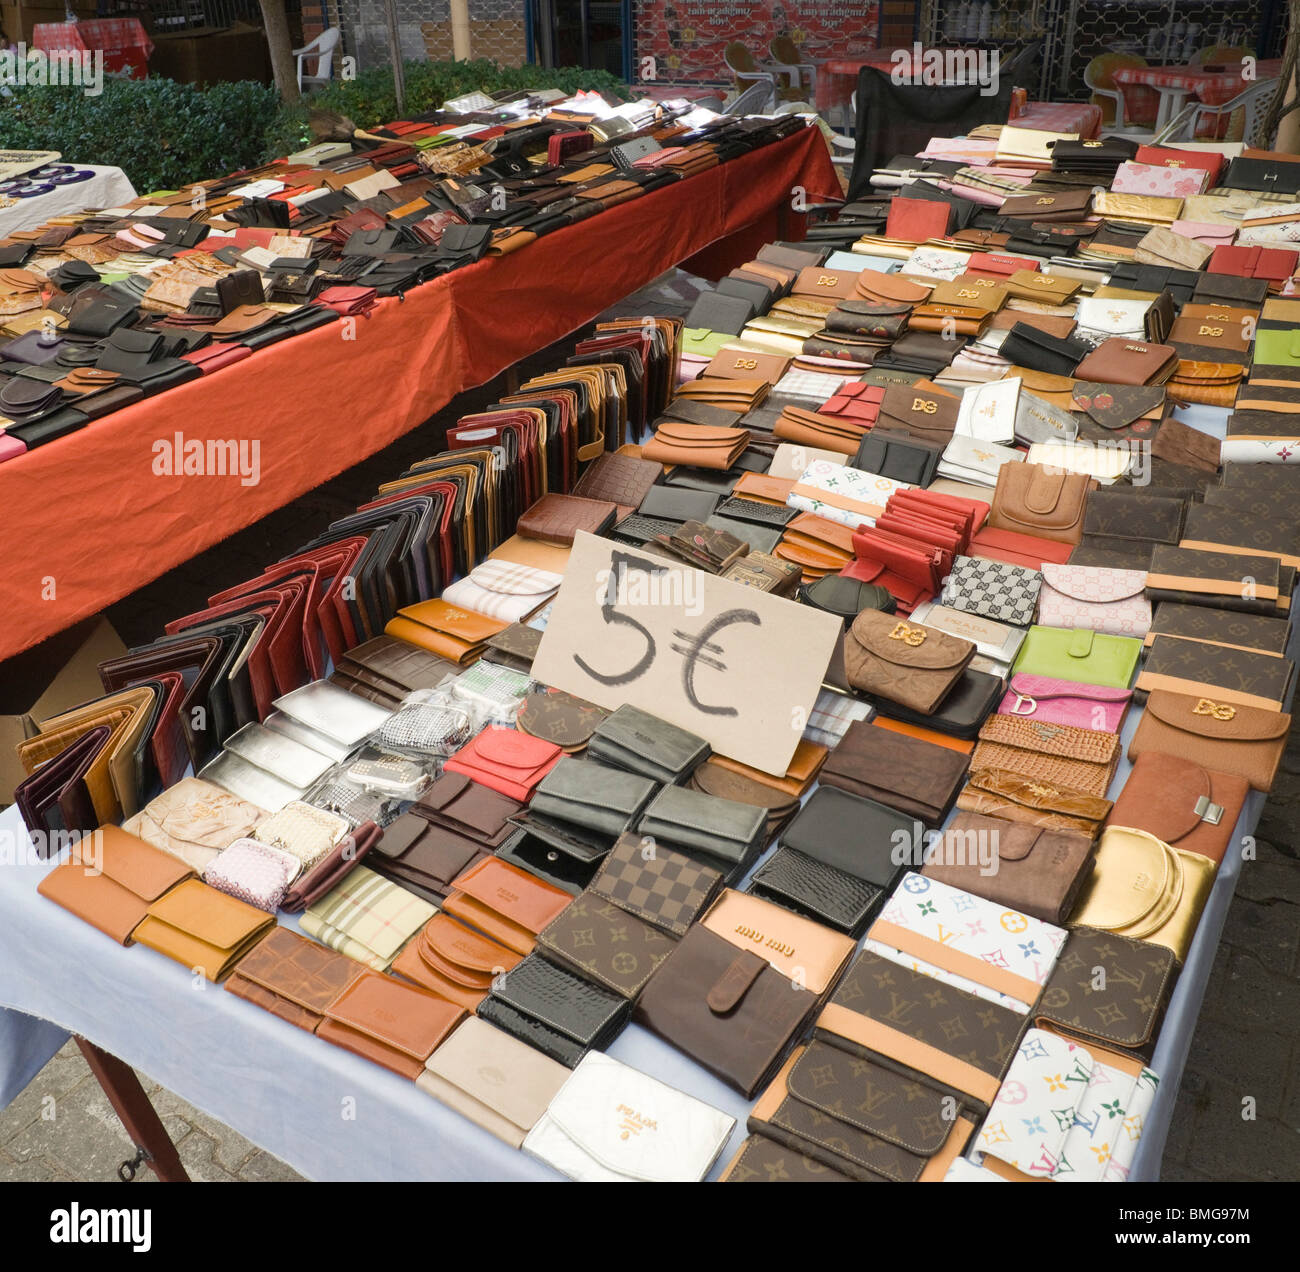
point(125, 44)
point(108, 188)
point(1174, 84)
point(88, 521)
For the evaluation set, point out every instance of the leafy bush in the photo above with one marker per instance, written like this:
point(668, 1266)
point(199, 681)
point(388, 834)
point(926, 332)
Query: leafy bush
point(163, 134)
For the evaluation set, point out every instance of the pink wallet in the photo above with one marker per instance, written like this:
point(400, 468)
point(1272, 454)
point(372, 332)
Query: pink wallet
point(1052, 701)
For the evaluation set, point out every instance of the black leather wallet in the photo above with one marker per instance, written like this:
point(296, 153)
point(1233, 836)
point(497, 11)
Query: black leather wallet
point(678, 504)
point(595, 796)
point(723, 829)
point(1026, 346)
point(899, 456)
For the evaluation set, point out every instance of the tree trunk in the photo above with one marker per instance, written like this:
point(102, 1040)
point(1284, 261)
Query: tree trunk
point(283, 67)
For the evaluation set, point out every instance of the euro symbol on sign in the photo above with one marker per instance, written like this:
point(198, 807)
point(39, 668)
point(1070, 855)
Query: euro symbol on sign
point(702, 648)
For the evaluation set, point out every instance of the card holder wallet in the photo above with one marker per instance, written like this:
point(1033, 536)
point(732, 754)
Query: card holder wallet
point(639, 742)
point(652, 882)
point(505, 903)
point(917, 778)
point(113, 889)
point(1013, 797)
point(860, 1119)
point(992, 589)
point(203, 929)
point(1055, 754)
point(393, 1023)
point(601, 942)
point(1046, 503)
point(835, 862)
point(1238, 677)
point(723, 829)
point(554, 1010)
point(292, 977)
point(907, 663)
point(595, 796)
point(885, 1011)
point(1033, 869)
point(1184, 805)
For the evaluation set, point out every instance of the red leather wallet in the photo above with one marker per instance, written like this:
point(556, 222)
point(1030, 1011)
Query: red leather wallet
point(506, 761)
point(915, 220)
point(912, 573)
point(854, 401)
point(1274, 264)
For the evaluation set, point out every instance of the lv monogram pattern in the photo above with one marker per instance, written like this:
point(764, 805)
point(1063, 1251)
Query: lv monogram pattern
point(764, 1161)
point(1062, 1115)
point(611, 946)
point(982, 1034)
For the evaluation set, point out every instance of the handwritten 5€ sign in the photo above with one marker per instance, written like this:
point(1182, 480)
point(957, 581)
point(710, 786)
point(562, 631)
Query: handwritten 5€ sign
point(739, 667)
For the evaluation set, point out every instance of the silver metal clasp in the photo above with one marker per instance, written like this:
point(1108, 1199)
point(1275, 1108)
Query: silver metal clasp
point(1021, 699)
point(1208, 811)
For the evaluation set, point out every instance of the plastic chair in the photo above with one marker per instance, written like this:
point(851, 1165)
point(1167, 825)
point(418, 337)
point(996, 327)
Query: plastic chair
point(322, 49)
point(1098, 77)
point(745, 71)
point(840, 142)
point(1253, 102)
point(757, 99)
point(787, 60)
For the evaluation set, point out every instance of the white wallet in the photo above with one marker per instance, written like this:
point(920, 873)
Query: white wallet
point(614, 1124)
point(1107, 463)
point(969, 460)
point(988, 413)
point(501, 589)
point(1104, 318)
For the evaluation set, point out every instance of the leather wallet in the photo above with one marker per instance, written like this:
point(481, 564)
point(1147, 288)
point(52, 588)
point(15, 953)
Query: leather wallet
point(695, 445)
point(1082, 655)
point(635, 740)
point(330, 871)
point(454, 634)
point(1222, 580)
point(393, 1023)
point(1123, 361)
point(1014, 797)
point(555, 1010)
point(203, 929)
point(1124, 1007)
point(55, 800)
point(292, 977)
point(425, 858)
point(836, 860)
point(909, 664)
point(1218, 736)
point(964, 708)
point(1055, 754)
point(723, 829)
point(599, 941)
point(505, 903)
point(112, 885)
point(495, 1080)
point(917, 778)
point(453, 961)
point(556, 518)
point(1033, 500)
point(507, 761)
point(665, 888)
point(1028, 868)
point(623, 480)
point(993, 589)
point(595, 796)
point(1240, 677)
point(1187, 807)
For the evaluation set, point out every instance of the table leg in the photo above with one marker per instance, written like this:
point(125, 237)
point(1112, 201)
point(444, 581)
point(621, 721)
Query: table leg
point(1171, 102)
point(137, 1115)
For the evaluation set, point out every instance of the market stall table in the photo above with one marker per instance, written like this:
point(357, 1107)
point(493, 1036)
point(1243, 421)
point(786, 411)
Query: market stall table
point(124, 42)
point(100, 537)
point(1174, 84)
point(106, 188)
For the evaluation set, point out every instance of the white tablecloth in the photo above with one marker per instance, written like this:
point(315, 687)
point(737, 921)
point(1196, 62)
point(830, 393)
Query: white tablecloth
point(108, 188)
point(334, 1116)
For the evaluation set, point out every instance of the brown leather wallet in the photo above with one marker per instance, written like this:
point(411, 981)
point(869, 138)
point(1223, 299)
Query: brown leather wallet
point(111, 879)
point(206, 930)
point(696, 445)
point(1123, 361)
point(505, 902)
point(450, 959)
point(556, 518)
point(445, 630)
point(909, 664)
point(394, 1023)
point(1044, 502)
point(292, 977)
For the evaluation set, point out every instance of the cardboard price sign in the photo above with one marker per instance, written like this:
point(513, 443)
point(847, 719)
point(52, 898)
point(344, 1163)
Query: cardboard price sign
point(739, 667)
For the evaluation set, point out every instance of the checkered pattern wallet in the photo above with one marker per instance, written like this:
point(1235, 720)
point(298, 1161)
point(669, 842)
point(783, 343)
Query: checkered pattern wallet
point(662, 887)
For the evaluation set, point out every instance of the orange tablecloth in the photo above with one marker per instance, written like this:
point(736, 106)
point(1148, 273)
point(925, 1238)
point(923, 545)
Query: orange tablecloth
point(87, 521)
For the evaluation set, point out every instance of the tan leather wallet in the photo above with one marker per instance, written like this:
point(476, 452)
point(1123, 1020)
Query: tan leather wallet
point(442, 629)
point(203, 929)
point(695, 446)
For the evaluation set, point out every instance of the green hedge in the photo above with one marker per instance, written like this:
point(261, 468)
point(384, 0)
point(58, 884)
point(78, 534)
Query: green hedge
point(163, 134)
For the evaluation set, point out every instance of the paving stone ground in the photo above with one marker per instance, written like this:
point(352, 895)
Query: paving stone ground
point(1247, 1040)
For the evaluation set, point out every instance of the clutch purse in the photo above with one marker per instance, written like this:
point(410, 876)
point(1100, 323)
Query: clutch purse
point(909, 664)
point(1014, 797)
point(611, 1123)
point(1024, 867)
point(1081, 655)
point(992, 589)
point(1219, 736)
point(1055, 754)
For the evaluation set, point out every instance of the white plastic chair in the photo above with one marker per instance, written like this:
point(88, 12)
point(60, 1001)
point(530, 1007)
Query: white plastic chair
point(840, 142)
point(322, 49)
point(1254, 100)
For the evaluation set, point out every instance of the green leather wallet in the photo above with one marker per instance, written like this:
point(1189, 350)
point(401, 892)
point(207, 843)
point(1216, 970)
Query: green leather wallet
point(1081, 655)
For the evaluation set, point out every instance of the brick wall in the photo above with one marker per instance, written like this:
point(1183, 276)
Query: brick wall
point(496, 30)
